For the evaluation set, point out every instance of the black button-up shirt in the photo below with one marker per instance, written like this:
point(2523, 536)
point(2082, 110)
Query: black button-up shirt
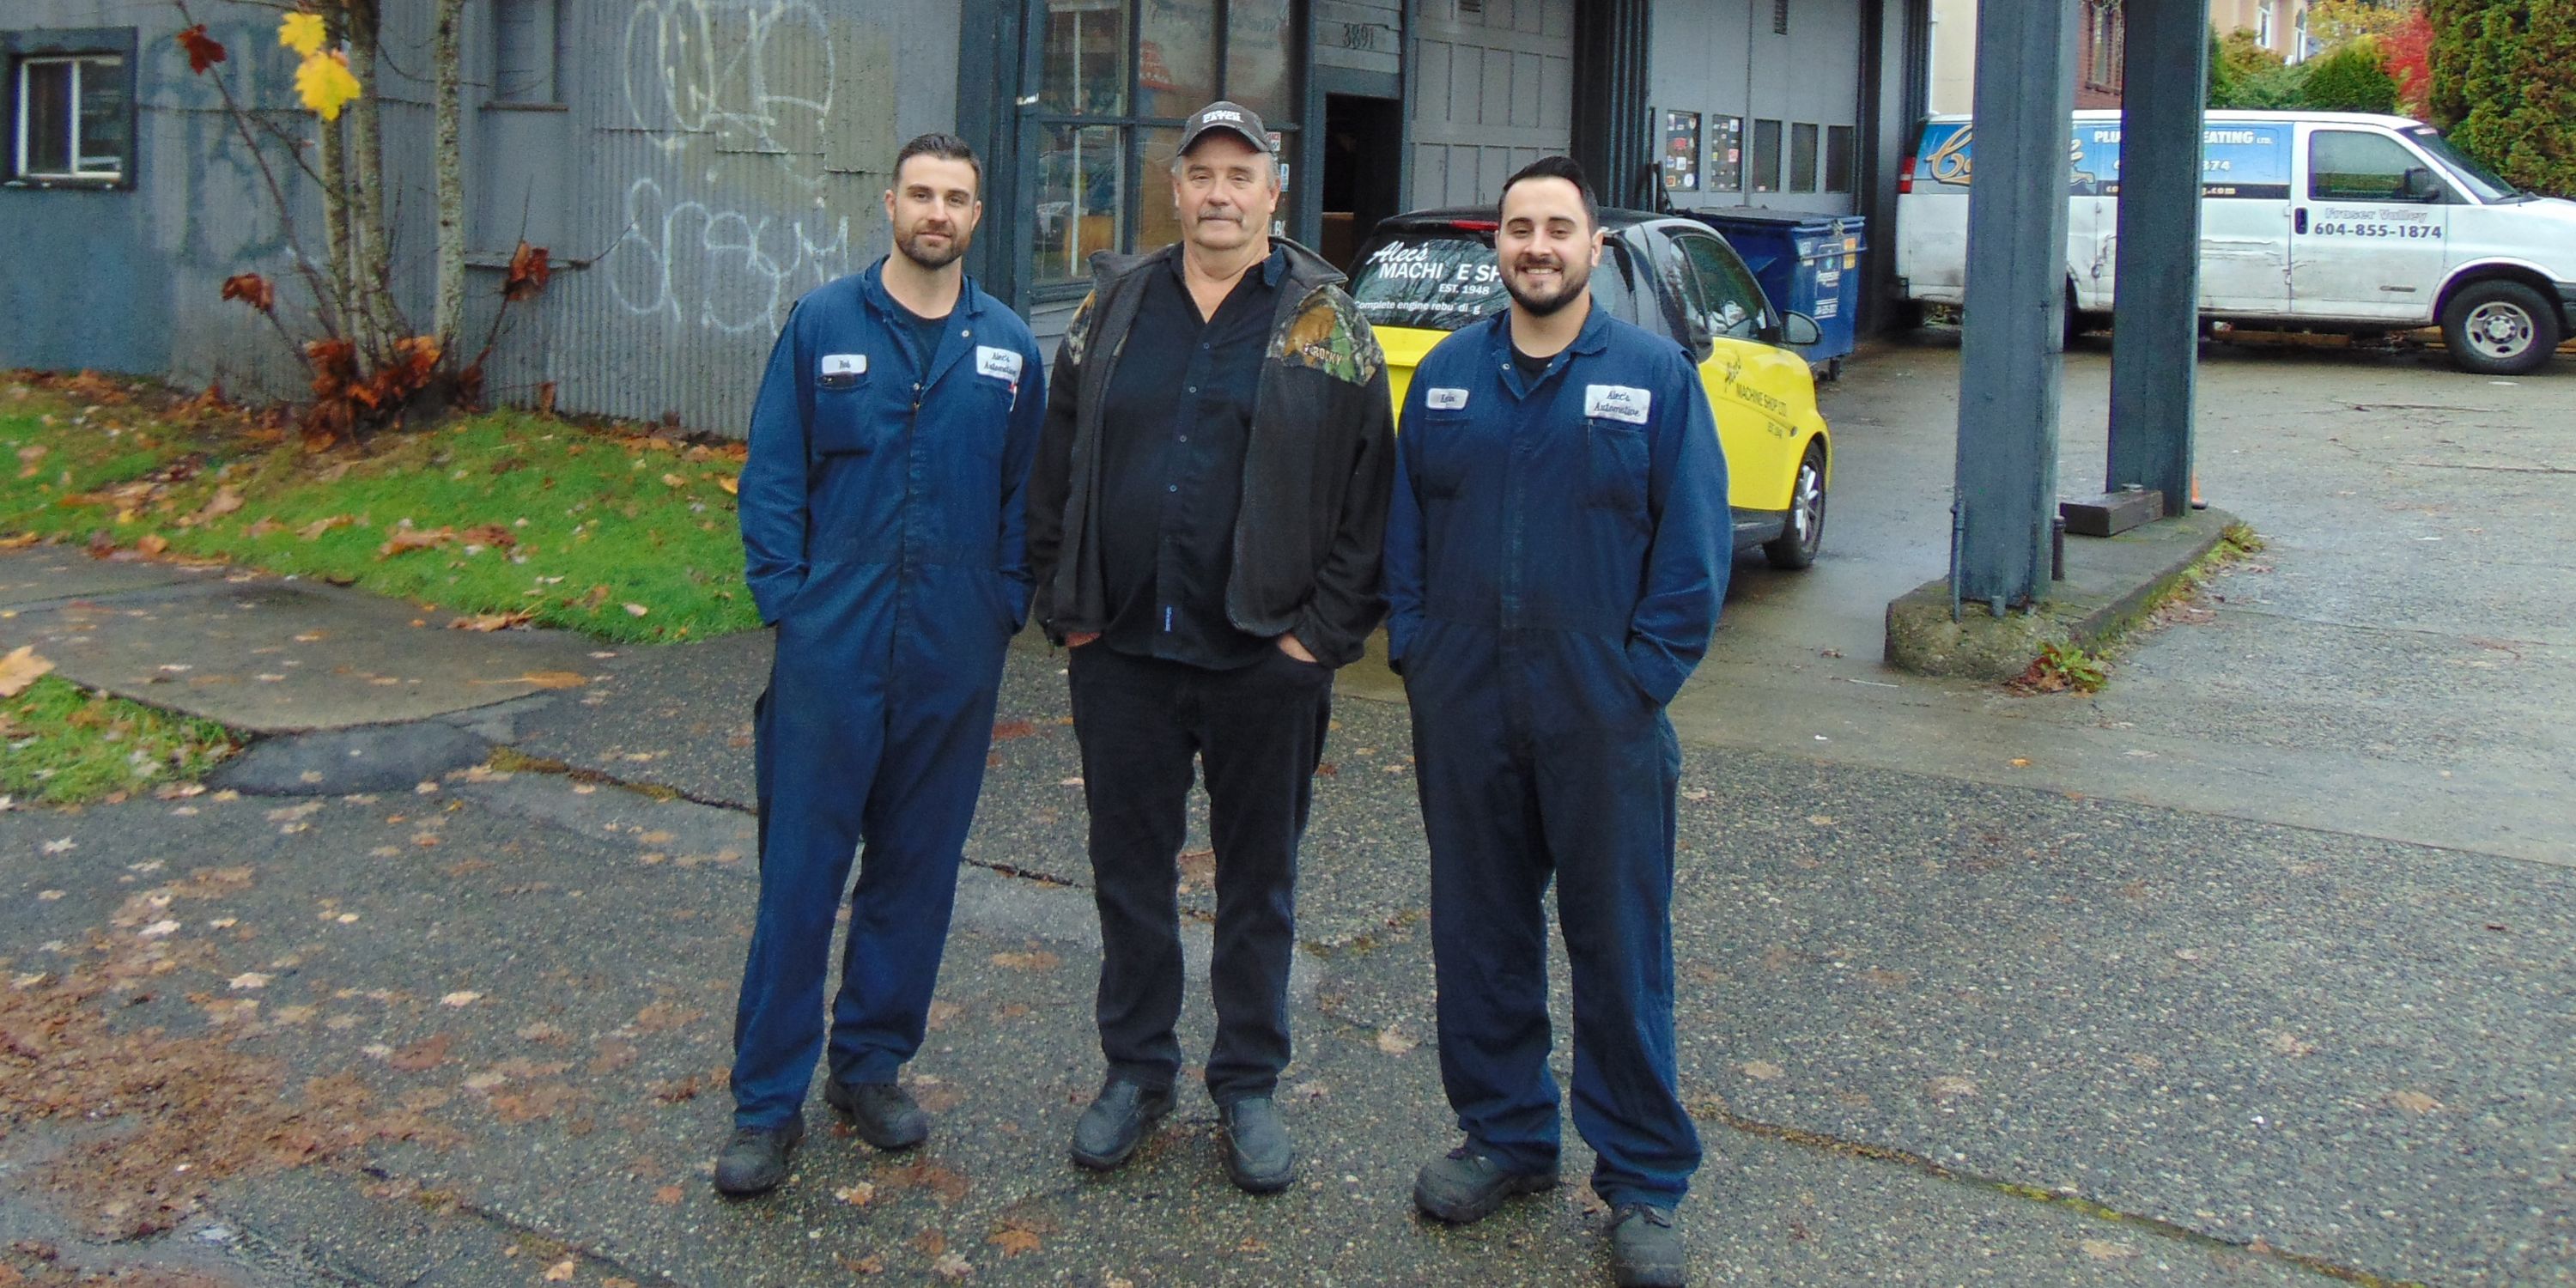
point(1175, 420)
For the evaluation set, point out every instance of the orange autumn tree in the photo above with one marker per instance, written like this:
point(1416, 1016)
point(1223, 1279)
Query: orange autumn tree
point(369, 364)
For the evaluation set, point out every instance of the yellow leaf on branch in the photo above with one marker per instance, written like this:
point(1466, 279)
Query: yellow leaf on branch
point(303, 33)
point(326, 84)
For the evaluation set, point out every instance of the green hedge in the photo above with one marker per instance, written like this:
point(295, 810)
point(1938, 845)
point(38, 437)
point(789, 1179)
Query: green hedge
point(2504, 86)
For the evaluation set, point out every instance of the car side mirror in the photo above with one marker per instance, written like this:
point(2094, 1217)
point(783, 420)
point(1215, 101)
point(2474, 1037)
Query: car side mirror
point(2421, 186)
point(1798, 331)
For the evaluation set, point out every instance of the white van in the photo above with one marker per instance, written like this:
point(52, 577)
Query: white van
point(2327, 221)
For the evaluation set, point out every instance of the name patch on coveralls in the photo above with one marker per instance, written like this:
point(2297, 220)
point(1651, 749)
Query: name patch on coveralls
point(1617, 402)
point(1000, 364)
point(843, 369)
point(1445, 399)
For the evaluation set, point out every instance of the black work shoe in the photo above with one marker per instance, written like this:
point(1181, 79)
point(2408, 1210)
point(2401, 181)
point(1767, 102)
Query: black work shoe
point(883, 1113)
point(1645, 1249)
point(1258, 1153)
point(1467, 1186)
point(755, 1160)
point(1116, 1123)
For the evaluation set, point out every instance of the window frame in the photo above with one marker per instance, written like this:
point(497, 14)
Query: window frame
point(1702, 293)
point(18, 50)
point(1135, 131)
point(1714, 164)
point(548, 94)
point(1762, 176)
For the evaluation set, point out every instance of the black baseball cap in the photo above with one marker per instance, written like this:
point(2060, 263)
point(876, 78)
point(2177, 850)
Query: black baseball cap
point(1233, 118)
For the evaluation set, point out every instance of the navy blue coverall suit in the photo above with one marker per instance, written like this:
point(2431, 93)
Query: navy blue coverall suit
point(1555, 558)
point(882, 524)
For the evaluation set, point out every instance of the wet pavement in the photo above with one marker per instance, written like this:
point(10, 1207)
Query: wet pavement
point(2259, 967)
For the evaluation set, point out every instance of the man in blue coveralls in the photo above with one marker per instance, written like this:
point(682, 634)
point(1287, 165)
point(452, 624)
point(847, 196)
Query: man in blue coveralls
point(883, 533)
point(1555, 558)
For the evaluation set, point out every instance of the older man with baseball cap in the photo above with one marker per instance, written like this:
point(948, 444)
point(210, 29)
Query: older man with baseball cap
point(1204, 524)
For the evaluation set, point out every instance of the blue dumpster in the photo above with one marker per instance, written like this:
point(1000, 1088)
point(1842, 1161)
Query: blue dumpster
point(1807, 264)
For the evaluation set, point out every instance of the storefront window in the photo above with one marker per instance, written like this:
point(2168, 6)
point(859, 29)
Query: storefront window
point(1086, 58)
point(1104, 175)
point(1259, 36)
point(1839, 150)
point(1726, 154)
point(1176, 61)
point(1766, 156)
point(1802, 157)
point(1681, 152)
point(1081, 206)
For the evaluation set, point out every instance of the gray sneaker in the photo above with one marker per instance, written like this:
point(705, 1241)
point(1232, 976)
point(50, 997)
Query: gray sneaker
point(755, 1160)
point(883, 1113)
point(1645, 1249)
point(1467, 1186)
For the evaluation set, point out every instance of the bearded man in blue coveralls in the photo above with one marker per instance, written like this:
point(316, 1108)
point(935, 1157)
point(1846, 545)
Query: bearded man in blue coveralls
point(1555, 557)
point(882, 524)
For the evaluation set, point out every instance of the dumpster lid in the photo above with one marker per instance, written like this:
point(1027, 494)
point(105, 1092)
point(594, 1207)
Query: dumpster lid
point(1806, 220)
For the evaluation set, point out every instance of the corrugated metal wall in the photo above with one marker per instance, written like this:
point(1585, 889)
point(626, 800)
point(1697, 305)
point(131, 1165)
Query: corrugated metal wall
point(703, 164)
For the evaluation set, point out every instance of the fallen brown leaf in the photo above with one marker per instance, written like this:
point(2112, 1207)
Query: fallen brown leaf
point(559, 1272)
point(20, 668)
point(415, 539)
point(153, 543)
point(490, 621)
point(1028, 961)
point(551, 679)
point(1394, 1042)
point(427, 1053)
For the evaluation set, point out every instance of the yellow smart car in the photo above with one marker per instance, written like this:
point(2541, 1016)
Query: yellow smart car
point(1425, 274)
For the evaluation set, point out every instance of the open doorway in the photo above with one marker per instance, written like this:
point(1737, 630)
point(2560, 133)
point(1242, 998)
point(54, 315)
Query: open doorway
point(1363, 165)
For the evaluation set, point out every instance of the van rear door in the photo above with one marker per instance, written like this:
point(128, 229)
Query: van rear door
point(2367, 237)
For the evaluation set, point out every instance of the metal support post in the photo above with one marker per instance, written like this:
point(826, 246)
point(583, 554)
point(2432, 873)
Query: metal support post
point(2016, 293)
point(2155, 319)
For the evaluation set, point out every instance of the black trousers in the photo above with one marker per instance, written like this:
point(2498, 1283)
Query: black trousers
point(1258, 733)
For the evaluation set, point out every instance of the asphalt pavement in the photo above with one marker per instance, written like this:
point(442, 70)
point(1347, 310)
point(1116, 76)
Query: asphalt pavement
point(2259, 966)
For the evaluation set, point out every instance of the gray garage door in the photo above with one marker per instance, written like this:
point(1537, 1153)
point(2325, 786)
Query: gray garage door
point(1493, 92)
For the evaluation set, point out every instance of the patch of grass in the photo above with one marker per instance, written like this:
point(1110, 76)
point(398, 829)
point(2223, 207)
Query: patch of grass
point(501, 514)
point(67, 746)
point(2240, 539)
point(2060, 667)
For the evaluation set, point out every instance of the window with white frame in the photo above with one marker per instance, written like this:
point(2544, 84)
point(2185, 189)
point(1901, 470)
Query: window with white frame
point(2263, 24)
point(71, 118)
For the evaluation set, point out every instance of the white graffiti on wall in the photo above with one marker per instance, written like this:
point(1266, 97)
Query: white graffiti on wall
point(753, 80)
point(728, 271)
point(709, 66)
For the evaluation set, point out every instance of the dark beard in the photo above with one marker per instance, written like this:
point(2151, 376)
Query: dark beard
point(910, 246)
point(1570, 289)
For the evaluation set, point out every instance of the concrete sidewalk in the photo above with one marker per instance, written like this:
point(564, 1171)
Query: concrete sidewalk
point(1914, 1011)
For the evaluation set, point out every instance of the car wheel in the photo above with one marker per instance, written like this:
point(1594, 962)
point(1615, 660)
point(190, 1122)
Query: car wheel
point(1804, 532)
point(2499, 328)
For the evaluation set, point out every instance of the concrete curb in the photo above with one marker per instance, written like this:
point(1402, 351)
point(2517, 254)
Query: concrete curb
point(2109, 584)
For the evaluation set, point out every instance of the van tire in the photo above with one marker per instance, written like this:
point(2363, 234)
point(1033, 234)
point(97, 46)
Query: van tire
point(2499, 328)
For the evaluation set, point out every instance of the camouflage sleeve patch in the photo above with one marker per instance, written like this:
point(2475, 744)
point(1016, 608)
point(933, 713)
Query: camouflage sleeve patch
point(1077, 333)
point(1329, 336)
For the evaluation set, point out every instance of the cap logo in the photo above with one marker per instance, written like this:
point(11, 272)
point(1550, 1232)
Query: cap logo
point(1222, 115)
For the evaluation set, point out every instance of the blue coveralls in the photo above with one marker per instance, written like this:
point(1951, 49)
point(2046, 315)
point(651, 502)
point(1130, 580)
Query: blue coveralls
point(883, 535)
point(1555, 559)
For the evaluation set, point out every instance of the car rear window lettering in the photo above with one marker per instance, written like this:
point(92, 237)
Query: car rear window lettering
point(1443, 281)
